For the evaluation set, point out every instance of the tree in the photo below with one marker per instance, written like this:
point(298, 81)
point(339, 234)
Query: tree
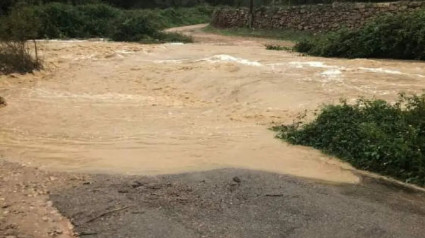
point(251, 13)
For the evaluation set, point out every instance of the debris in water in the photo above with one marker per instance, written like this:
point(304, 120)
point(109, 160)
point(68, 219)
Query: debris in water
point(3, 102)
point(237, 179)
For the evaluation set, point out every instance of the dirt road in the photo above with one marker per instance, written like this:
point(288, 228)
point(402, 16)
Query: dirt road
point(130, 109)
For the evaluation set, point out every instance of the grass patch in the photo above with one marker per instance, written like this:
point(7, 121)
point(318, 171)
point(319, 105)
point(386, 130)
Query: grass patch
point(373, 135)
point(288, 35)
point(278, 47)
point(399, 36)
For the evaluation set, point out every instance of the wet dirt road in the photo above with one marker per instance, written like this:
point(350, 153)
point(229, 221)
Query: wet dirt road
point(160, 109)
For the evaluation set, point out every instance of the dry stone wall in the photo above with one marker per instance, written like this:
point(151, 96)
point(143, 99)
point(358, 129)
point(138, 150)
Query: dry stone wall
point(322, 17)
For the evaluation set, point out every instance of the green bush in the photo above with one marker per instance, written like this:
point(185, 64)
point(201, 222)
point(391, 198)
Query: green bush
point(99, 20)
point(372, 135)
point(173, 37)
point(399, 36)
point(278, 47)
point(16, 29)
point(67, 21)
point(133, 27)
point(58, 20)
point(16, 58)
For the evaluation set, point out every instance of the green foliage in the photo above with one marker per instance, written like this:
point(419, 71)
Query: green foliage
point(137, 26)
point(58, 20)
point(399, 36)
point(99, 20)
point(278, 47)
point(172, 37)
point(20, 25)
point(62, 20)
point(372, 134)
point(16, 58)
point(16, 29)
point(133, 27)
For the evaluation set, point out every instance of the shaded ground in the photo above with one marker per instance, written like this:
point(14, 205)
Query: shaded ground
point(239, 203)
point(120, 108)
point(219, 203)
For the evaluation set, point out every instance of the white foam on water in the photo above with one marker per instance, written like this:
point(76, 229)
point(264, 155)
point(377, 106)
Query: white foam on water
point(381, 70)
point(229, 58)
point(107, 97)
point(174, 43)
point(63, 41)
point(389, 71)
point(84, 57)
point(331, 75)
point(331, 72)
point(213, 59)
point(124, 52)
point(173, 61)
point(314, 64)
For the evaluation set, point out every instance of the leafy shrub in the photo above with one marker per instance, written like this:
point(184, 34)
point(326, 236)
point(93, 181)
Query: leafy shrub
point(67, 21)
point(16, 30)
point(399, 36)
point(172, 37)
point(58, 20)
point(372, 134)
point(277, 47)
point(15, 57)
point(133, 27)
point(99, 20)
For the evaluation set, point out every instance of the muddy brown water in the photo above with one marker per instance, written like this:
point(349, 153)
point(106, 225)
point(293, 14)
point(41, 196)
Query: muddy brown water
point(104, 107)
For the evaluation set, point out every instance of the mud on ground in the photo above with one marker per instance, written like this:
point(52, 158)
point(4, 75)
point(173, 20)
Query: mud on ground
point(26, 210)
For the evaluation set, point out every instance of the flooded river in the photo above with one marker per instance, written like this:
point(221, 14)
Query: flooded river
point(126, 108)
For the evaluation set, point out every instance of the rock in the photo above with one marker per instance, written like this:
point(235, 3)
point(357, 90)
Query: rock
point(237, 179)
point(307, 17)
point(136, 184)
point(55, 232)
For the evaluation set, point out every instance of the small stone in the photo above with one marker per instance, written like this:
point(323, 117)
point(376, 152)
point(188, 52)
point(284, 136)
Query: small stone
point(136, 184)
point(45, 219)
point(237, 179)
